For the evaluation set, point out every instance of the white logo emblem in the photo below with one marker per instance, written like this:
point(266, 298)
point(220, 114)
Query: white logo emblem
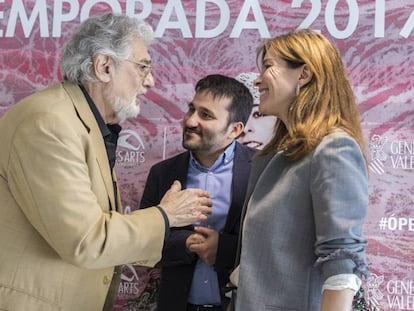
point(129, 139)
point(374, 295)
point(378, 156)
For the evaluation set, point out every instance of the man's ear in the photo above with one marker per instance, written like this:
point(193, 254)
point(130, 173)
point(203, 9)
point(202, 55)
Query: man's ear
point(305, 75)
point(236, 129)
point(103, 65)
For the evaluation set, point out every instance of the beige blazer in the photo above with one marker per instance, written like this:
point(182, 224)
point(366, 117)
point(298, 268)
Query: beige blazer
point(59, 240)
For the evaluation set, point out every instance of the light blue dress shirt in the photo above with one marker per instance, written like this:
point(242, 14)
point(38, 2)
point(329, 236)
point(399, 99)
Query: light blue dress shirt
point(217, 181)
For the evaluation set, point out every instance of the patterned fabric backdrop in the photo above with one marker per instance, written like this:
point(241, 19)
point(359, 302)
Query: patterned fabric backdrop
point(195, 38)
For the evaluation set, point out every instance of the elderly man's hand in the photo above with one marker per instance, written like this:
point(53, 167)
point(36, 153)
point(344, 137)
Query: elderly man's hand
point(185, 207)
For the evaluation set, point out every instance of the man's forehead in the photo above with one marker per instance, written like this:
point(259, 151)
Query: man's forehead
point(140, 51)
point(207, 100)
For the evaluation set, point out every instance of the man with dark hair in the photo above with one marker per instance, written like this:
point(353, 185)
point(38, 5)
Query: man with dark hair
point(197, 260)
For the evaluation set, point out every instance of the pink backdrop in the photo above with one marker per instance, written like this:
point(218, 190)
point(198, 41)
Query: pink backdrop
point(195, 38)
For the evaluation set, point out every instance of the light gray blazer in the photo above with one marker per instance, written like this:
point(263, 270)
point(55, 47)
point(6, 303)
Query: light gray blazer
point(303, 224)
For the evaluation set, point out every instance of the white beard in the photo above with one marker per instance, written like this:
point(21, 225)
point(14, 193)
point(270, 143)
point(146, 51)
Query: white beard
point(124, 110)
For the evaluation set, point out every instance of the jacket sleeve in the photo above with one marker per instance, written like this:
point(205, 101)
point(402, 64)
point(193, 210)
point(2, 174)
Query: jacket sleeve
point(339, 190)
point(56, 180)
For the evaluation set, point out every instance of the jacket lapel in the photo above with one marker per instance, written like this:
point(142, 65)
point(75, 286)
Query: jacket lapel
point(258, 166)
point(180, 173)
point(241, 173)
point(88, 119)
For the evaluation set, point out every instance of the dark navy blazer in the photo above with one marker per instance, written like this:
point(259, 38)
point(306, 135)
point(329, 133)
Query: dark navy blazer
point(177, 262)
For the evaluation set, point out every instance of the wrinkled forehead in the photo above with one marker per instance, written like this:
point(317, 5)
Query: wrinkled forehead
point(139, 50)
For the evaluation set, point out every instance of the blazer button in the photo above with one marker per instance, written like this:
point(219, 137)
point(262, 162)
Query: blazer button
point(106, 280)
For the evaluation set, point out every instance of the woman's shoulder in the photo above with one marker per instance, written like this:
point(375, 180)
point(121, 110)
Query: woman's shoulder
point(336, 135)
point(337, 141)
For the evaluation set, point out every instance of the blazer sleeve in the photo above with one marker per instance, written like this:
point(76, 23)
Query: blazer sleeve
point(339, 188)
point(56, 181)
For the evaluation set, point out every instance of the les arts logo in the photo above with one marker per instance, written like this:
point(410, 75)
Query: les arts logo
point(131, 149)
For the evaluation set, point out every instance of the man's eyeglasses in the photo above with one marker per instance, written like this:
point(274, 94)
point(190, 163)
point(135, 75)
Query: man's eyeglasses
point(143, 67)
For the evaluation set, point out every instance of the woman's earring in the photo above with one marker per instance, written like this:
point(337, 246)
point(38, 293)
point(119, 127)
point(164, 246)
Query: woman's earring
point(297, 89)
